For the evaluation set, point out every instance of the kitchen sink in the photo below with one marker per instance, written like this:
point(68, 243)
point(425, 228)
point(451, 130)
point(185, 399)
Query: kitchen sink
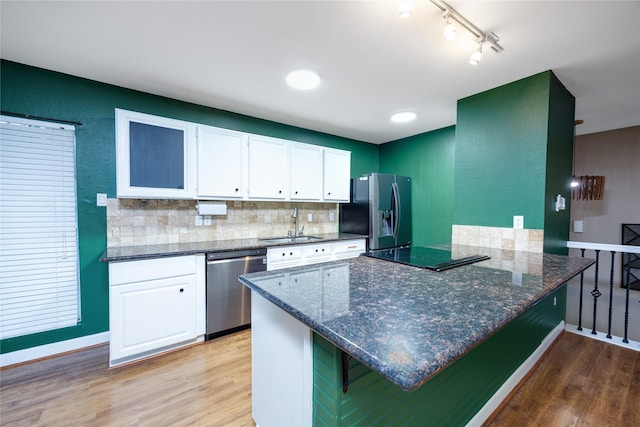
point(292, 239)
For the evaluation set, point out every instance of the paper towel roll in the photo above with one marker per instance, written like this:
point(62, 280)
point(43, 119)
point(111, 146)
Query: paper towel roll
point(212, 208)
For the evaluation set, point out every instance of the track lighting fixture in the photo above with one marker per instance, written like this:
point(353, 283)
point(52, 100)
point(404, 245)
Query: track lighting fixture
point(449, 31)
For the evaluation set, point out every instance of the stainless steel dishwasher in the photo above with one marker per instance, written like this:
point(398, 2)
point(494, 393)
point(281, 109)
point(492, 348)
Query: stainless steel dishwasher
point(228, 301)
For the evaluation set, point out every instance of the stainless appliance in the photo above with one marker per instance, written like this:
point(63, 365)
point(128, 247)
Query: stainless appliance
point(429, 258)
point(380, 208)
point(228, 301)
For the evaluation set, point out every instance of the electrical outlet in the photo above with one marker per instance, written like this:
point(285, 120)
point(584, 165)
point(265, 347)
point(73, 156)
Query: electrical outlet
point(309, 217)
point(518, 221)
point(207, 219)
point(101, 199)
point(332, 216)
point(198, 220)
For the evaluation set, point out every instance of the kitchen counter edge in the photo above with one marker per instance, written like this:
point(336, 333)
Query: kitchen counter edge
point(140, 252)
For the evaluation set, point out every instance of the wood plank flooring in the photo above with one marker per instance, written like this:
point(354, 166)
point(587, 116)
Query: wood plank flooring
point(205, 385)
point(580, 382)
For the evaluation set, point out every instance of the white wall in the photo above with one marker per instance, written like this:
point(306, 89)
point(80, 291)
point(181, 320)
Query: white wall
point(616, 155)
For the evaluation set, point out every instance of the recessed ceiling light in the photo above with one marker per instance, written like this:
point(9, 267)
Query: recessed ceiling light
point(303, 79)
point(403, 117)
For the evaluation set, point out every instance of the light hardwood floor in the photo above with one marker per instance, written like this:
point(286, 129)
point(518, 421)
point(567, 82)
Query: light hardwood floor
point(205, 385)
point(580, 382)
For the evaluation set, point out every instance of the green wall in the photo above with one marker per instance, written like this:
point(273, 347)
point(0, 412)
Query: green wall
point(559, 167)
point(44, 93)
point(513, 155)
point(501, 148)
point(428, 159)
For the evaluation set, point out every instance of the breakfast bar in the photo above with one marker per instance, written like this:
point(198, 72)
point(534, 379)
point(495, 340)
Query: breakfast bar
point(372, 341)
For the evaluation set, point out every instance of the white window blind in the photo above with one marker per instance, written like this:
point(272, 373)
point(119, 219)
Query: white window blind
point(38, 227)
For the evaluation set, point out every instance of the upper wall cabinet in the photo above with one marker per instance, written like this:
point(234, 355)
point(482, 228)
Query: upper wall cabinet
point(221, 163)
point(268, 167)
point(160, 158)
point(337, 174)
point(305, 172)
point(155, 156)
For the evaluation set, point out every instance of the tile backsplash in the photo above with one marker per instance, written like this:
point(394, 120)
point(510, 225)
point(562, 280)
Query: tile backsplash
point(527, 240)
point(144, 222)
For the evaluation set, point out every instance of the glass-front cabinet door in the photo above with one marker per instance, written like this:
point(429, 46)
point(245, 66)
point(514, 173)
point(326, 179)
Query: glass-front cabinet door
point(154, 156)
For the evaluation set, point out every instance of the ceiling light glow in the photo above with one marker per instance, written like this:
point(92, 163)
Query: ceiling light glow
point(405, 8)
point(403, 117)
point(303, 79)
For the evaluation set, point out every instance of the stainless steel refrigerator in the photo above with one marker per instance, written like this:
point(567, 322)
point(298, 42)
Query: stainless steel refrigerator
point(380, 208)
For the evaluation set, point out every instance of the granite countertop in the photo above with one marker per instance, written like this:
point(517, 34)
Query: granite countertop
point(130, 253)
point(407, 323)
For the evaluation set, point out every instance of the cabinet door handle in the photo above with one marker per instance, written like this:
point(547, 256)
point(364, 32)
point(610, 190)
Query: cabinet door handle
point(181, 290)
point(237, 189)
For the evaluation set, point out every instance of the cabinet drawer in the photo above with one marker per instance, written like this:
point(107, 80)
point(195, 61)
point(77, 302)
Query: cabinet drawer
point(151, 269)
point(317, 253)
point(349, 248)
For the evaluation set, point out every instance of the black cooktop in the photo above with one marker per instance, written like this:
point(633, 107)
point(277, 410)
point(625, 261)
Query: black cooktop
point(429, 258)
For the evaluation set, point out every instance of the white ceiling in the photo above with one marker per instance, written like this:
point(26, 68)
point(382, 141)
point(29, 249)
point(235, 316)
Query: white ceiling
point(234, 55)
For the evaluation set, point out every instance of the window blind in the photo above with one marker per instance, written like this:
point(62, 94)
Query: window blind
point(39, 281)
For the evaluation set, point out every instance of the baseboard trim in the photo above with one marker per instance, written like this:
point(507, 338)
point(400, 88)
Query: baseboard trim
point(53, 349)
point(515, 378)
point(602, 336)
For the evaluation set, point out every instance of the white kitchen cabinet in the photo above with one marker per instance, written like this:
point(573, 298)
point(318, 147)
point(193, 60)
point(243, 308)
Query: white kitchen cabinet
point(155, 157)
point(349, 248)
point(305, 172)
point(336, 175)
point(268, 168)
point(279, 257)
point(315, 253)
point(155, 305)
point(221, 163)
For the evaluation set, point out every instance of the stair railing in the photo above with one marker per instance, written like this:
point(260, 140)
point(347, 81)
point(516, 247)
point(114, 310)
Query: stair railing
point(597, 291)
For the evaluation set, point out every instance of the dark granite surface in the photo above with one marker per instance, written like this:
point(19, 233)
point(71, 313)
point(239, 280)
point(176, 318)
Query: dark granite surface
point(408, 323)
point(130, 253)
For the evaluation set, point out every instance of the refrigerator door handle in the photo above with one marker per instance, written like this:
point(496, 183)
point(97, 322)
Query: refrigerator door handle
point(396, 208)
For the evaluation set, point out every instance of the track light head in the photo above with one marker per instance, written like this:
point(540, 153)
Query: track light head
point(449, 30)
point(476, 56)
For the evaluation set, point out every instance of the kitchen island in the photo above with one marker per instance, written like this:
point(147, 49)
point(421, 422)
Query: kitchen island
point(375, 342)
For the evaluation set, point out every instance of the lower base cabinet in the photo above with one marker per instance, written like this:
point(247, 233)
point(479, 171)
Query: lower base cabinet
point(155, 305)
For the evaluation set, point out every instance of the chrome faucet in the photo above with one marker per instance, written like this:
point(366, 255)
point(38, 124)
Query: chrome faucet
point(295, 215)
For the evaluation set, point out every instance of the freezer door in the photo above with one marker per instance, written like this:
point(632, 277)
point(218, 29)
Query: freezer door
point(381, 213)
point(403, 211)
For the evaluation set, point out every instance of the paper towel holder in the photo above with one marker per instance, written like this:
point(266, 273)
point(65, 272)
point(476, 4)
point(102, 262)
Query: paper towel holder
point(211, 208)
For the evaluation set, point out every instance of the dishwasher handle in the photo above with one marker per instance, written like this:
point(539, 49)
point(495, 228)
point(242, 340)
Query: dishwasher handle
point(218, 256)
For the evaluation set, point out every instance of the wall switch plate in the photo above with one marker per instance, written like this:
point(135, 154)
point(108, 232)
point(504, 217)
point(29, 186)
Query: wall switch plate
point(198, 220)
point(207, 219)
point(309, 217)
point(101, 199)
point(332, 216)
point(578, 226)
point(518, 221)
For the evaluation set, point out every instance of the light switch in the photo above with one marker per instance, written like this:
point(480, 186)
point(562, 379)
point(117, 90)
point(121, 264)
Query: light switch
point(198, 220)
point(309, 217)
point(578, 226)
point(332, 216)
